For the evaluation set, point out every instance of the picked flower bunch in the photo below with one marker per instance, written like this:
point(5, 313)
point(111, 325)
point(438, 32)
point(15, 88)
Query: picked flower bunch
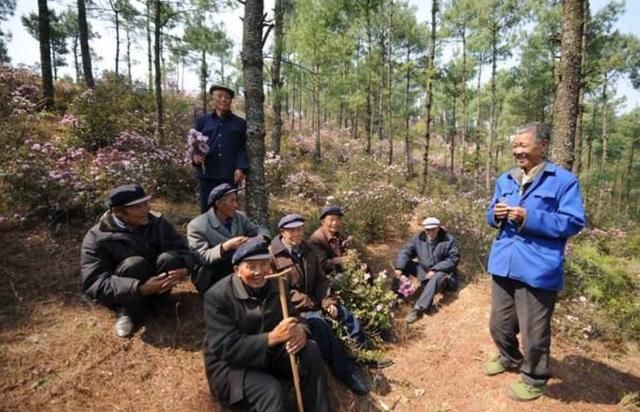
point(197, 145)
point(406, 288)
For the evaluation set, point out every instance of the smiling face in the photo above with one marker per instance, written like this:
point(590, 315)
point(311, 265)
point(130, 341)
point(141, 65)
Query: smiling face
point(432, 233)
point(528, 151)
point(253, 272)
point(332, 224)
point(226, 207)
point(134, 216)
point(221, 101)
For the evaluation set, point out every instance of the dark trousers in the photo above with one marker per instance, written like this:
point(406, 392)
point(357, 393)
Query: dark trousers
point(204, 188)
point(436, 284)
point(140, 268)
point(263, 392)
point(333, 352)
point(518, 307)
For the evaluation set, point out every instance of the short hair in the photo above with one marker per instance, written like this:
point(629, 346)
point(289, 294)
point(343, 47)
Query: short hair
point(541, 131)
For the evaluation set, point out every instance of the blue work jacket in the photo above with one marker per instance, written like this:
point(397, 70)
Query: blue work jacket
point(533, 252)
point(227, 146)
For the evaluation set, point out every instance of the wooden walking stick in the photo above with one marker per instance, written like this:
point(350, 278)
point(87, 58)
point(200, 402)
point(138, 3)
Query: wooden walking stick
point(295, 371)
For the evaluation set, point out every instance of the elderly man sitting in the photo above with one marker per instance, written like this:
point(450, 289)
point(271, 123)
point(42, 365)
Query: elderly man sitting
point(328, 242)
point(437, 255)
point(216, 234)
point(247, 342)
point(132, 258)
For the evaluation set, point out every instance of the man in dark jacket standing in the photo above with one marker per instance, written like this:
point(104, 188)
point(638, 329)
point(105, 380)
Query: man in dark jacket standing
point(216, 234)
point(437, 257)
point(132, 257)
point(226, 161)
point(247, 342)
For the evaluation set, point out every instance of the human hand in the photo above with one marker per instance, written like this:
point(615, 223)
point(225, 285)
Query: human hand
point(397, 273)
point(297, 341)
point(282, 332)
point(332, 311)
point(234, 243)
point(348, 241)
point(500, 211)
point(157, 284)
point(430, 274)
point(197, 159)
point(517, 214)
point(238, 176)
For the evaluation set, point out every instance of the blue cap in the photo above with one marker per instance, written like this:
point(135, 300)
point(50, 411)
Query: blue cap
point(127, 195)
point(253, 249)
point(291, 221)
point(219, 192)
point(331, 210)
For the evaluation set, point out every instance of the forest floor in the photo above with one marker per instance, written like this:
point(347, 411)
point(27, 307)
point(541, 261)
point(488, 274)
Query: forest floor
point(58, 352)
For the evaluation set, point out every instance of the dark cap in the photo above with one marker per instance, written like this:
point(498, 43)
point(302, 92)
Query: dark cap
point(222, 87)
point(291, 221)
point(127, 195)
point(219, 192)
point(253, 249)
point(331, 210)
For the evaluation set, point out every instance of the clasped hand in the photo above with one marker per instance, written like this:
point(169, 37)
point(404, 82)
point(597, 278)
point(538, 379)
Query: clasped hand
point(289, 330)
point(163, 282)
point(514, 213)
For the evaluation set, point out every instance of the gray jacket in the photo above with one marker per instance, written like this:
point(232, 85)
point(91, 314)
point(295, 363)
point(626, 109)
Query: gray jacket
point(206, 234)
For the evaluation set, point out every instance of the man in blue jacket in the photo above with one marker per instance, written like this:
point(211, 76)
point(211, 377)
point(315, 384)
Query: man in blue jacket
point(226, 161)
point(536, 207)
point(437, 255)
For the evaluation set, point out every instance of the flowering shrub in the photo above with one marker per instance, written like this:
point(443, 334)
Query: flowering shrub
point(305, 185)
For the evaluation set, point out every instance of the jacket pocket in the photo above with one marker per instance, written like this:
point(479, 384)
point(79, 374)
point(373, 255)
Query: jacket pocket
point(544, 200)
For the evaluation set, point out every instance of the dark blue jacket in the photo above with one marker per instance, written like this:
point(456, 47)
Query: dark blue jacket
point(227, 145)
point(440, 256)
point(534, 253)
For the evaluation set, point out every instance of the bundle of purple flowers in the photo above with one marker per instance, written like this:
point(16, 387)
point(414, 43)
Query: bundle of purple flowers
point(406, 288)
point(197, 145)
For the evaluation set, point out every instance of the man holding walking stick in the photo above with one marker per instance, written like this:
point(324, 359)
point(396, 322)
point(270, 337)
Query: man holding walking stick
point(248, 341)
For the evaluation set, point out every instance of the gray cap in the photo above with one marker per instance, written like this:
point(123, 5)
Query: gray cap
point(430, 223)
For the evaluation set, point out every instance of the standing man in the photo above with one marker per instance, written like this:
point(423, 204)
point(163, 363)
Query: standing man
point(437, 257)
point(132, 258)
point(247, 341)
point(216, 234)
point(226, 161)
point(536, 207)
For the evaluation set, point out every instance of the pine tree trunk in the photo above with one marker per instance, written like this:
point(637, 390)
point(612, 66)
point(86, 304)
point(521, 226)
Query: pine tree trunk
point(605, 129)
point(389, 84)
point(568, 92)
point(492, 110)
point(369, 114)
point(203, 79)
point(252, 69)
point(129, 56)
point(476, 161)
point(45, 53)
point(577, 164)
point(275, 76)
point(158, 71)
point(429, 100)
point(465, 120)
point(76, 62)
point(117, 58)
point(149, 48)
point(407, 117)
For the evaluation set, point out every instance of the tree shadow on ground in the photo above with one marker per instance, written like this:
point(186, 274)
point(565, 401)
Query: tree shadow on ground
point(180, 328)
point(579, 379)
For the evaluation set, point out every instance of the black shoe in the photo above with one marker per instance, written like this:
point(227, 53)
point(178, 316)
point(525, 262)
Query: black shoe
point(378, 363)
point(387, 335)
point(124, 325)
point(356, 383)
point(413, 316)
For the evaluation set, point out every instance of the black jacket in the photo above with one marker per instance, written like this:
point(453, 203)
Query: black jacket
point(236, 328)
point(106, 245)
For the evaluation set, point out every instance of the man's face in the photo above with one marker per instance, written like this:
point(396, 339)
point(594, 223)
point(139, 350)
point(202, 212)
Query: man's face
point(431, 233)
point(293, 236)
point(227, 206)
point(136, 215)
point(252, 272)
point(221, 101)
point(332, 223)
point(527, 151)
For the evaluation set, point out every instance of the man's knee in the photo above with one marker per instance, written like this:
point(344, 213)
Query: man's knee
point(265, 393)
point(169, 260)
point(135, 267)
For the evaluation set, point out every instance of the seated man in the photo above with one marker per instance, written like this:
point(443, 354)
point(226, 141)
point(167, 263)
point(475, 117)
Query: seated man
point(132, 257)
point(327, 241)
point(311, 296)
point(216, 234)
point(437, 257)
point(247, 342)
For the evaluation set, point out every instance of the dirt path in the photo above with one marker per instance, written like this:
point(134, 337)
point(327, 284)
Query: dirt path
point(57, 351)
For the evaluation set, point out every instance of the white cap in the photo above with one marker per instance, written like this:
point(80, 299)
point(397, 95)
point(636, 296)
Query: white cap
point(430, 223)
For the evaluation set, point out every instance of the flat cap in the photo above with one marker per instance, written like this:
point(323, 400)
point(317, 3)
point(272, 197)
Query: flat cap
point(331, 210)
point(127, 195)
point(291, 221)
point(253, 249)
point(219, 192)
point(222, 87)
point(430, 223)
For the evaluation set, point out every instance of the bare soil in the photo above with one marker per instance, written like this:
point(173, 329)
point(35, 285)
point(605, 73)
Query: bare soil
point(58, 352)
